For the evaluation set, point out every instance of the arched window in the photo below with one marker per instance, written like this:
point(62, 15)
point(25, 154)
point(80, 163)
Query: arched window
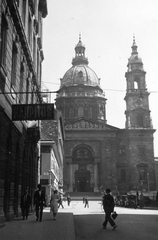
point(82, 154)
point(139, 120)
point(142, 171)
point(137, 83)
point(123, 175)
point(80, 111)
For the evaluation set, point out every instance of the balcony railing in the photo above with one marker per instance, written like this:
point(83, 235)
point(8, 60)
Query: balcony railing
point(81, 94)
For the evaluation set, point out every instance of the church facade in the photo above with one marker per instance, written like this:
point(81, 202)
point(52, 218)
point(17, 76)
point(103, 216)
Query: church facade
point(98, 155)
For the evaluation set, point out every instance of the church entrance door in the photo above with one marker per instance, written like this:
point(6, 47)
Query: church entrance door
point(82, 181)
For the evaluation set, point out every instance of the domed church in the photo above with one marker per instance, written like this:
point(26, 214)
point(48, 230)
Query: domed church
point(99, 155)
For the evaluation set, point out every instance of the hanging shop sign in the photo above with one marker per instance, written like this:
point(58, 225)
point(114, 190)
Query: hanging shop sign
point(23, 112)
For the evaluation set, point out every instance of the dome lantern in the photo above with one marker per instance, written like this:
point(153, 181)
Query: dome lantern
point(79, 54)
point(134, 62)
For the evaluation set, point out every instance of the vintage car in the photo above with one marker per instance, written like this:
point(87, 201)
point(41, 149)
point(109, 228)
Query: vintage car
point(131, 201)
point(126, 201)
point(120, 200)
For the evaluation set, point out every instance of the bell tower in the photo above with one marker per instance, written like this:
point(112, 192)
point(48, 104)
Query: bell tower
point(138, 125)
point(137, 104)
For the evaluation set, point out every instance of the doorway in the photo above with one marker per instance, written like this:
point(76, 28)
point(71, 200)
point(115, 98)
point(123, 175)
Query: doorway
point(82, 181)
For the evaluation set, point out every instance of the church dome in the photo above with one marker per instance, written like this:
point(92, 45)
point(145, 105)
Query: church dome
point(80, 72)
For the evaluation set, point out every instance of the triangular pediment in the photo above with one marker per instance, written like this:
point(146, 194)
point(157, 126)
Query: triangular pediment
point(87, 125)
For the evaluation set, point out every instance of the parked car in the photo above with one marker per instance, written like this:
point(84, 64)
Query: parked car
point(120, 200)
point(124, 199)
point(117, 200)
point(131, 201)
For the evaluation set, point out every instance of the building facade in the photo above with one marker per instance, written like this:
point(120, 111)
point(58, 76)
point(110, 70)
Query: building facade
point(98, 155)
point(52, 155)
point(21, 57)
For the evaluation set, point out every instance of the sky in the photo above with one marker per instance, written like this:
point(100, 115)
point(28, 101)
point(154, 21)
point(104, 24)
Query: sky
point(107, 28)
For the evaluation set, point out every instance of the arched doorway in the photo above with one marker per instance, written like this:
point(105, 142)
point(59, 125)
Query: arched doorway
point(83, 177)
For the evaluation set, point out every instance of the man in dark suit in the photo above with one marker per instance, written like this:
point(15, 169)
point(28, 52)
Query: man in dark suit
point(108, 205)
point(39, 202)
point(25, 204)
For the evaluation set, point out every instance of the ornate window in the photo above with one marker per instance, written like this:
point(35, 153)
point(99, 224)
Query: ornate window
point(142, 170)
point(80, 111)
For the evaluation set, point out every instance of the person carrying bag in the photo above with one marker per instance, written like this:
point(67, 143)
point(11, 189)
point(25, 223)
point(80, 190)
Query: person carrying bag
point(108, 205)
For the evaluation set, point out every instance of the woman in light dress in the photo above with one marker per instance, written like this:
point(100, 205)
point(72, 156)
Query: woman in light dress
point(54, 203)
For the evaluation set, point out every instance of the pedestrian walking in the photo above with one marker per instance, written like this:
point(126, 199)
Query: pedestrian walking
point(39, 202)
point(54, 203)
point(141, 201)
point(108, 205)
point(25, 204)
point(68, 200)
point(137, 198)
point(60, 201)
point(86, 202)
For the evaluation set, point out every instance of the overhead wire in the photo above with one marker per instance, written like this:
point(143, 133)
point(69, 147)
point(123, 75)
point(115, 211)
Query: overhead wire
point(105, 89)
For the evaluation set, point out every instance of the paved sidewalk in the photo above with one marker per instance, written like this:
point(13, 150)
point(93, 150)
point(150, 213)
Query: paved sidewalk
point(60, 229)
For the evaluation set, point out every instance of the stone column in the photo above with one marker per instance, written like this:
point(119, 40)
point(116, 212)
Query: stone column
point(95, 177)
